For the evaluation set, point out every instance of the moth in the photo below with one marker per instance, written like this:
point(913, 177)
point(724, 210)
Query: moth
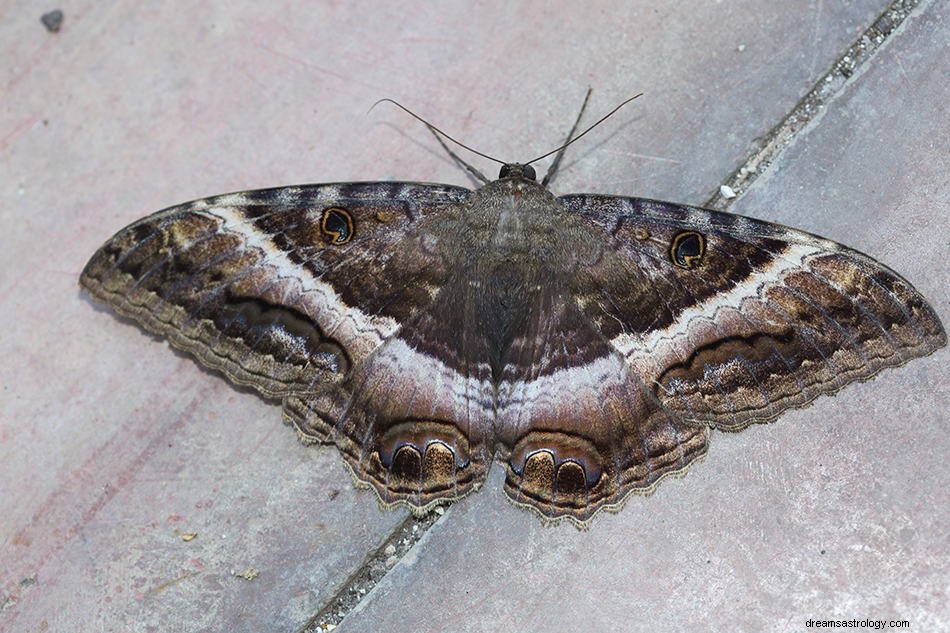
point(588, 343)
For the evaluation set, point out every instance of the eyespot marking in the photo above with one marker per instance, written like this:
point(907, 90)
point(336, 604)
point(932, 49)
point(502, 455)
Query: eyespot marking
point(687, 249)
point(338, 224)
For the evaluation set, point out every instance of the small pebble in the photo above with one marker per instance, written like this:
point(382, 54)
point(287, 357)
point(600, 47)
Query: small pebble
point(52, 20)
point(726, 192)
point(248, 574)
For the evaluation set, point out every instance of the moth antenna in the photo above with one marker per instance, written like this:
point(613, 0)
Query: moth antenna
point(552, 170)
point(434, 129)
point(471, 169)
point(439, 134)
point(596, 123)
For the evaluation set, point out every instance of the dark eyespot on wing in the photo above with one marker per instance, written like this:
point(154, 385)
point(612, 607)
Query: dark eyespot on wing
point(338, 224)
point(687, 249)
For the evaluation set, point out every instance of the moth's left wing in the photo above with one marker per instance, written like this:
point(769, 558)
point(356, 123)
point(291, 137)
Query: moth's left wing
point(731, 320)
point(280, 289)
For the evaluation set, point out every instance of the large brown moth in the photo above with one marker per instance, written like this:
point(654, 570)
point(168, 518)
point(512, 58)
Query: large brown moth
point(586, 342)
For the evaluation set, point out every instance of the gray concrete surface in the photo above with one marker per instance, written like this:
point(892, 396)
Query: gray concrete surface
point(112, 447)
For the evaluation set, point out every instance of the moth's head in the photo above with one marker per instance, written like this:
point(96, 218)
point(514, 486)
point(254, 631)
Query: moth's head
point(517, 170)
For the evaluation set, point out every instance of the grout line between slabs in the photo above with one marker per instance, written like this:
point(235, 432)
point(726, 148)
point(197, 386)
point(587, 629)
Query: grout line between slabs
point(852, 63)
point(769, 148)
point(377, 564)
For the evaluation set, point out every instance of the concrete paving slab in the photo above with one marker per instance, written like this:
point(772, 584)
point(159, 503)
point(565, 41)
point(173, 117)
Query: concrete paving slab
point(112, 447)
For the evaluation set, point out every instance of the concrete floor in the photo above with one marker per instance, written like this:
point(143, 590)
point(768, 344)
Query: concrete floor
point(113, 447)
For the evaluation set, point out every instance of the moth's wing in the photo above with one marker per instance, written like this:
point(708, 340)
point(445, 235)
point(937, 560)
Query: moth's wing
point(295, 291)
point(730, 320)
point(280, 289)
